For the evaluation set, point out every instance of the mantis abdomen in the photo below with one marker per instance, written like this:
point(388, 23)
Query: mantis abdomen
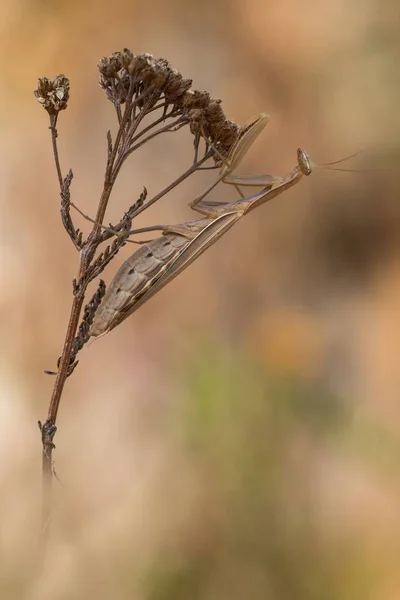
point(134, 278)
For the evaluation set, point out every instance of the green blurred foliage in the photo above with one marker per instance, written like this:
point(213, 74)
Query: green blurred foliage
point(240, 426)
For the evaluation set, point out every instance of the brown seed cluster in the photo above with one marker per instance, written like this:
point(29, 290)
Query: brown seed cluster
point(53, 94)
point(150, 83)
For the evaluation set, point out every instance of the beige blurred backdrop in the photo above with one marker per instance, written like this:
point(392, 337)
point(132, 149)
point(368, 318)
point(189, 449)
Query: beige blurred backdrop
point(239, 436)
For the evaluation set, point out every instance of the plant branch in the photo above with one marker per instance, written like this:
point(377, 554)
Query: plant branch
point(173, 185)
point(137, 85)
point(54, 135)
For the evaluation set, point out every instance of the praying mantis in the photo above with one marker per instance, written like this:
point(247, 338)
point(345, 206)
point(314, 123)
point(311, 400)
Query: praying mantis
point(159, 261)
point(248, 134)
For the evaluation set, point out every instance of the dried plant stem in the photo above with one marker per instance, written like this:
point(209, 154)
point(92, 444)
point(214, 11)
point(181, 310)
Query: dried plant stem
point(87, 253)
point(137, 85)
point(48, 428)
point(65, 356)
point(53, 124)
point(101, 211)
point(174, 184)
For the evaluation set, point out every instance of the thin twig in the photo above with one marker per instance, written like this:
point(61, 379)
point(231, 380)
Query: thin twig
point(54, 136)
point(172, 185)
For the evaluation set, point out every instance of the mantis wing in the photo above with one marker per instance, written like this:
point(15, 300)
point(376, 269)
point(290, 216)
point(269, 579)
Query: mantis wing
point(147, 271)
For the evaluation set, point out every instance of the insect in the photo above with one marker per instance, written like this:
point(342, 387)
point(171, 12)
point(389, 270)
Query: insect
point(249, 132)
point(159, 261)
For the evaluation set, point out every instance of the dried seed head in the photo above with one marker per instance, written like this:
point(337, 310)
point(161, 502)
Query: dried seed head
point(110, 66)
point(228, 133)
point(53, 94)
point(214, 112)
point(176, 88)
point(83, 334)
point(196, 99)
point(128, 60)
point(144, 80)
point(123, 74)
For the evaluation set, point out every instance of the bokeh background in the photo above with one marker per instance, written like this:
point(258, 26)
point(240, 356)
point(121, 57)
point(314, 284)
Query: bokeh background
point(239, 436)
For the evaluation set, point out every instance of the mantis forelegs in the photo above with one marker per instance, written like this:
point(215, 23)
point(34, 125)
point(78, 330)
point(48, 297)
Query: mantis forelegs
point(248, 134)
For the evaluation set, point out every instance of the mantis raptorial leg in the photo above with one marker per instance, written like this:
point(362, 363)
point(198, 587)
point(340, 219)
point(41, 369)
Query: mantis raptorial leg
point(247, 135)
point(155, 264)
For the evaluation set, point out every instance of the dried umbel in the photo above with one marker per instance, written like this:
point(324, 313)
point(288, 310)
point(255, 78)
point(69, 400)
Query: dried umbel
point(147, 84)
point(124, 75)
point(53, 94)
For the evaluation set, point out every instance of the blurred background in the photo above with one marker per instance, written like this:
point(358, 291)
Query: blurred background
point(239, 436)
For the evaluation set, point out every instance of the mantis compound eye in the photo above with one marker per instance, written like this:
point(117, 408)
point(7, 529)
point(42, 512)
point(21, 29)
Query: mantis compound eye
point(304, 162)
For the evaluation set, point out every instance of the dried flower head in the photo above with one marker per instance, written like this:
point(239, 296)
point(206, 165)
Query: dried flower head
point(53, 94)
point(147, 83)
